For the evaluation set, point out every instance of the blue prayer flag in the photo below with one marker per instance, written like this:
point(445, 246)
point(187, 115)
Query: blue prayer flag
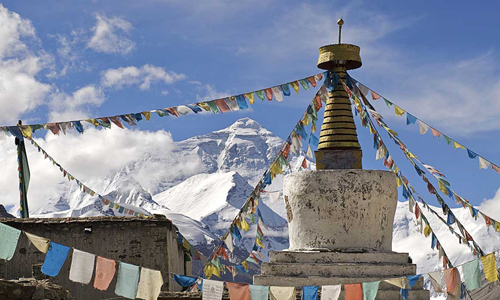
point(236, 233)
point(16, 131)
point(137, 116)
point(451, 218)
point(410, 119)
point(54, 259)
point(259, 292)
point(313, 140)
point(413, 279)
point(242, 103)
point(471, 154)
point(434, 241)
point(184, 281)
point(285, 89)
point(310, 292)
point(78, 126)
point(128, 280)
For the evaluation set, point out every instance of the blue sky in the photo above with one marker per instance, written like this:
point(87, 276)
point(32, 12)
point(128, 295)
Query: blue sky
point(75, 59)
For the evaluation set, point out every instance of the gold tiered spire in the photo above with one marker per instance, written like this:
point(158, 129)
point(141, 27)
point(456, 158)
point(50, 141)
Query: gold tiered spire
point(338, 144)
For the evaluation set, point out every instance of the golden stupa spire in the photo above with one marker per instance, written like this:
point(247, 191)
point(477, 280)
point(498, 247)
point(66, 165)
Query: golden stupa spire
point(338, 144)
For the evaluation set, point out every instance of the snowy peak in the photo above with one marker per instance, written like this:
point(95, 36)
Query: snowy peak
point(245, 126)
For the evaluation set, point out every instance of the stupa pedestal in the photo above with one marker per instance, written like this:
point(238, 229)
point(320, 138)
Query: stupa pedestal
point(340, 227)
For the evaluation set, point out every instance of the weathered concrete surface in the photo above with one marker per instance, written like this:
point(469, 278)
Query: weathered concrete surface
point(341, 209)
point(150, 243)
point(32, 289)
point(307, 257)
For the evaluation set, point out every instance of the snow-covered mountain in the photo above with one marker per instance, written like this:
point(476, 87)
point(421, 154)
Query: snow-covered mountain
point(203, 181)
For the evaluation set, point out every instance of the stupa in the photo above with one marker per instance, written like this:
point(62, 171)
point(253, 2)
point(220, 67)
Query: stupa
point(340, 216)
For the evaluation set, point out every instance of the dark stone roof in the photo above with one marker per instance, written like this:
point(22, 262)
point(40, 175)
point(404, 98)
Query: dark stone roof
point(4, 213)
point(155, 218)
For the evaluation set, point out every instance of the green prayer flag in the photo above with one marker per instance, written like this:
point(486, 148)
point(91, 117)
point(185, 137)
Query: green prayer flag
point(447, 139)
point(260, 94)
point(9, 237)
point(387, 102)
point(472, 274)
point(213, 107)
point(370, 290)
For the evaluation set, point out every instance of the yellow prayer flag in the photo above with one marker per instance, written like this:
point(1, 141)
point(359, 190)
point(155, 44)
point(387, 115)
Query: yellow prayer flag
point(93, 122)
point(204, 106)
point(497, 226)
point(305, 120)
point(244, 224)
point(295, 86)
point(147, 115)
point(490, 267)
point(399, 111)
point(398, 181)
point(259, 243)
point(276, 168)
point(41, 243)
point(457, 145)
point(208, 271)
point(215, 271)
point(427, 230)
point(442, 188)
point(244, 264)
point(185, 244)
point(251, 97)
point(401, 282)
point(313, 128)
point(26, 130)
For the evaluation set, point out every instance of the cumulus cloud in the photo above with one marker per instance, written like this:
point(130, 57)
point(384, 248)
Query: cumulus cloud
point(209, 92)
point(111, 35)
point(20, 90)
point(143, 77)
point(91, 157)
point(73, 106)
point(492, 206)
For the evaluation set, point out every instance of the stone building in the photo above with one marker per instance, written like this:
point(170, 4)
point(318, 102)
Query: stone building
point(149, 243)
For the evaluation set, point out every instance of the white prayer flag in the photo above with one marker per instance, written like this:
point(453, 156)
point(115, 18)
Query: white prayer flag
point(278, 94)
point(436, 281)
point(229, 242)
point(82, 266)
point(150, 284)
point(423, 127)
point(309, 152)
point(212, 289)
point(282, 292)
point(330, 292)
point(483, 163)
point(363, 89)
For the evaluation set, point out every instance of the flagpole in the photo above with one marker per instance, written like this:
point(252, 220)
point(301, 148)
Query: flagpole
point(23, 179)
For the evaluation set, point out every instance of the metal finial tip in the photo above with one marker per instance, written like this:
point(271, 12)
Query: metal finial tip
point(340, 22)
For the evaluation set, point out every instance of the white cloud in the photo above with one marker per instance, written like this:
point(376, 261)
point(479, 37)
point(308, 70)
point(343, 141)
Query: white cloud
point(209, 92)
point(111, 35)
point(90, 157)
point(75, 106)
point(20, 90)
point(492, 206)
point(143, 76)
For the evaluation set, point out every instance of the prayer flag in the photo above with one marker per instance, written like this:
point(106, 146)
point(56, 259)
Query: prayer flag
point(313, 140)
point(250, 97)
point(399, 111)
point(295, 86)
point(375, 96)
point(274, 196)
point(447, 139)
point(457, 145)
point(116, 121)
point(370, 290)
point(128, 280)
point(483, 163)
point(330, 292)
point(41, 243)
point(435, 132)
point(304, 83)
point(363, 89)
point(387, 102)
point(82, 267)
point(282, 292)
point(242, 103)
point(471, 154)
point(285, 89)
point(422, 127)
point(410, 119)
point(213, 106)
point(260, 94)
point(221, 104)
point(238, 290)
point(104, 272)
point(150, 284)
point(490, 267)
point(496, 168)
point(353, 291)
point(401, 282)
point(453, 283)
point(472, 274)
point(212, 289)
point(129, 119)
point(436, 281)
point(229, 242)
point(310, 292)
point(9, 237)
point(309, 152)
point(312, 80)
point(24, 176)
point(184, 281)
point(233, 105)
point(278, 94)
point(269, 94)
point(259, 292)
point(54, 259)
point(433, 241)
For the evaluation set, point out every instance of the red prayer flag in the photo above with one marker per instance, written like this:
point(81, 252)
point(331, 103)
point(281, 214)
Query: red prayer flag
point(312, 80)
point(269, 94)
point(222, 105)
point(353, 291)
point(375, 96)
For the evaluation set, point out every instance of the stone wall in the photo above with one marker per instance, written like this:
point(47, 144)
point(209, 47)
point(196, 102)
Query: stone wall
point(149, 243)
